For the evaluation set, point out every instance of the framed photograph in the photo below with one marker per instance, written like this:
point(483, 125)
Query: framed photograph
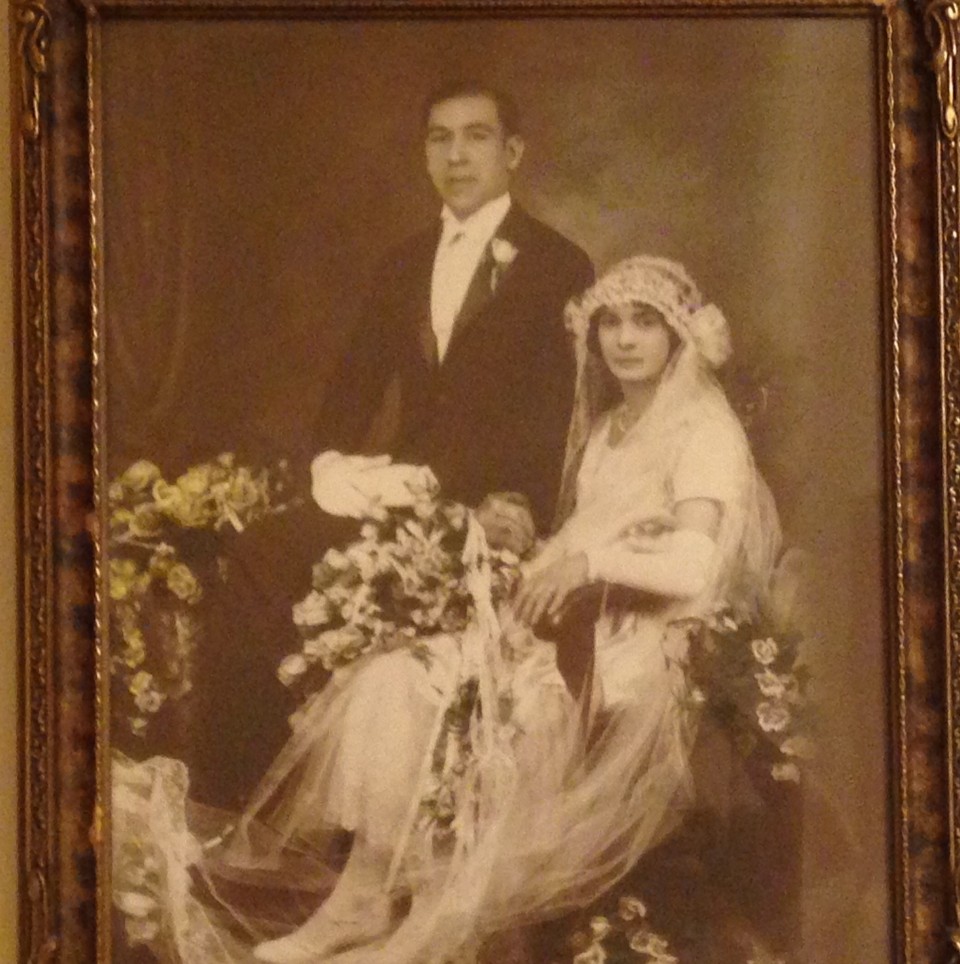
point(490, 481)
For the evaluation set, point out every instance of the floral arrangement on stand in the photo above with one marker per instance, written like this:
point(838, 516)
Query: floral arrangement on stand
point(625, 935)
point(750, 677)
point(153, 580)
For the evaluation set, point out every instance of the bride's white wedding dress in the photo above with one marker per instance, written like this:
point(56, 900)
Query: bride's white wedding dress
point(547, 819)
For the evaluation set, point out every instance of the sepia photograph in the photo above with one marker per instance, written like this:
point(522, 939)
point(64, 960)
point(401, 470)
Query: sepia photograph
point(503, 436)
point(494, 442)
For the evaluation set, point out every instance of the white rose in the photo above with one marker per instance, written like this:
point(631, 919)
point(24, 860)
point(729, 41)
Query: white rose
point(140, 476)
point(785, 772)
point(771, 685)
point(711, 335)
point(773, 717)
point(134, 904)
point(335, 559)
point(291, 669)
point(312, 610)
point(141, 931)
point(149, 702)
point(600, 928)
point(594, 954)
point(504, 253)
point(765, 651)
point(646, 942)
point(630, 908)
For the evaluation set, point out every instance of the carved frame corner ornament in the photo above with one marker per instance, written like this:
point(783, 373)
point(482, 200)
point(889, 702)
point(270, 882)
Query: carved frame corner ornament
point(942, 23)
point(31, 31)
point(32, 23)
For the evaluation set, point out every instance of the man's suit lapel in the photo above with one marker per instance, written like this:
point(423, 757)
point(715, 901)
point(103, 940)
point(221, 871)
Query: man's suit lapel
point(422, 276)
point(482, 290)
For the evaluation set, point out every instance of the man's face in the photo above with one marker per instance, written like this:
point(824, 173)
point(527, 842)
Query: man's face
point(470, 158)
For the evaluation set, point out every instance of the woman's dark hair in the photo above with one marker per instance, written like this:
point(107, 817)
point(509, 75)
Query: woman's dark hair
point(593, 328)
point(506, 106)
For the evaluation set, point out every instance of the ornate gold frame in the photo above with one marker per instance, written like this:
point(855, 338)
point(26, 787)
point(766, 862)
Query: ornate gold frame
point(55, 77)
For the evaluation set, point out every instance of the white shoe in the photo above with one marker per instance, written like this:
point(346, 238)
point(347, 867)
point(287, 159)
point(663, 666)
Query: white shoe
point(285, 950)
point(324, 934)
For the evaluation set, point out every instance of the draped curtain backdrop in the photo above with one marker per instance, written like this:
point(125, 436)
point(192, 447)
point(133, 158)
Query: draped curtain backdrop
point(256, 171)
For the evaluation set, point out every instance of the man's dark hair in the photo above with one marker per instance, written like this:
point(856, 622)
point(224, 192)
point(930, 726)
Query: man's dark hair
point(506, 106)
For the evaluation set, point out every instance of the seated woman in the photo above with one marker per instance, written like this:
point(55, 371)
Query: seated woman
point(593, 768)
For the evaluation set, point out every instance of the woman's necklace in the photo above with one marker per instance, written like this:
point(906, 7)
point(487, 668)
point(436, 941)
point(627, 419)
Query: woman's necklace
point(623, 419)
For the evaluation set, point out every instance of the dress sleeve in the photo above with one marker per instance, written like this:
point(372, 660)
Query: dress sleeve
point(679, 564)
point(711, 464)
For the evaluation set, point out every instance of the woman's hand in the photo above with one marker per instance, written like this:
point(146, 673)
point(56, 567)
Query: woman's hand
point(544, 593)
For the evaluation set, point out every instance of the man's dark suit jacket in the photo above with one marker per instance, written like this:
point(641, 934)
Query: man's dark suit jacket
point(493, 415)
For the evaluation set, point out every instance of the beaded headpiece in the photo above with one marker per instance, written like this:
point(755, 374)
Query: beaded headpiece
point(664, 285)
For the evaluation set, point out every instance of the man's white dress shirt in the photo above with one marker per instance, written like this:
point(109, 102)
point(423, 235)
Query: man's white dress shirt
point(462, 244)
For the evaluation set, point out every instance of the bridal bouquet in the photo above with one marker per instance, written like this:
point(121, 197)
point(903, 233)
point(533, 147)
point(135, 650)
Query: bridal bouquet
point(402, 581)
point(155, 550)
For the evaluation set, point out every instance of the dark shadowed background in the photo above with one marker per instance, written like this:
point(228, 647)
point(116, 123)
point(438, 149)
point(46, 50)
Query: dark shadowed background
point(254, 172)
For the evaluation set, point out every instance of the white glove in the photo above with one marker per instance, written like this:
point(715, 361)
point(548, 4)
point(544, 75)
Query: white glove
point(362, 486)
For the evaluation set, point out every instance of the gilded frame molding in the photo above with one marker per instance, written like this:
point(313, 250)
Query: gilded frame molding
point(62, 771)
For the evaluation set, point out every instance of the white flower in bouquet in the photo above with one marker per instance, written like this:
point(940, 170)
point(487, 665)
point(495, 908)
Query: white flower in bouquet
point(126, 579)
point(292, 668)
point(182, 504)
point(149, 701)
point(600, 928)
point(367, 558)
point(801, 747)
point(360, 607)
point(773, 717)
point(163, 559)
point(785, 772)
point(141, 682)
point(135, 904)
point(647, 942)
point(630, 908)
point(146, 521)
point(134, 647)
point(137, 478)
point(771, 685)
point(765, 651)
point(196, 481)
point(594, 954)
point(244, 492)
point(313, 610)
point(183, 584)
point(335, 647)
point(336, 559)
point(141, 931)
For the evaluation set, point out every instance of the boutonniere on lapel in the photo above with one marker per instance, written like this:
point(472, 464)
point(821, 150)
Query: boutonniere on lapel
point(504, 254)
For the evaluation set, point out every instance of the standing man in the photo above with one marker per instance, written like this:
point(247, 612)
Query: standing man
point(460, 365)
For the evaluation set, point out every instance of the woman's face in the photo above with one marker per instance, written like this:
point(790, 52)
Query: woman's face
point(635, 342)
